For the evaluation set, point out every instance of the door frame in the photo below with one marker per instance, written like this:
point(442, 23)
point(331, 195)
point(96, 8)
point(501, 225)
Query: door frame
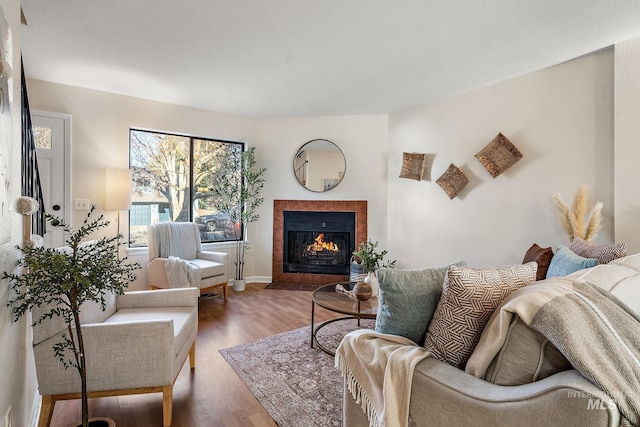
point(66, 118)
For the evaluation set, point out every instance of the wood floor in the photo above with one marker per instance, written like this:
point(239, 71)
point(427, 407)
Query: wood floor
point(211, 394)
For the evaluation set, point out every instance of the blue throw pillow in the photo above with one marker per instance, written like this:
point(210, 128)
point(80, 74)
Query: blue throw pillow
point(408, 299)
point(565, 262)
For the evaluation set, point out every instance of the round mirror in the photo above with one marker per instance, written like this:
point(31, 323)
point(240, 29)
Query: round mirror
point(319, 165)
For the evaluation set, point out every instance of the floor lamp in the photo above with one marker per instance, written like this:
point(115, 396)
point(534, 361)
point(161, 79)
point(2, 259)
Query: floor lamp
point(118, 193)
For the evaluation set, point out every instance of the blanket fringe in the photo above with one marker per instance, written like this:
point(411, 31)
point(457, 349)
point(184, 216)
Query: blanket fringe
point(356, 391)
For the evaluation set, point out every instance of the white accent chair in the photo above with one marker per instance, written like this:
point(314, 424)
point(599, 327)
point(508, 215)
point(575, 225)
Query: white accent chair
point(138, 344)
point(213, 266)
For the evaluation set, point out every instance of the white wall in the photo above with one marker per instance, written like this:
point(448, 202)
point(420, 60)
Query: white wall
point(627, 143)
point(19, 389)
point(559, 118)
point(363, 141)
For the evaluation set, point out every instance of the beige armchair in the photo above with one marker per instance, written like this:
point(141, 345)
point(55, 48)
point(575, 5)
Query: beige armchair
point(137, 345)
point(205, 269)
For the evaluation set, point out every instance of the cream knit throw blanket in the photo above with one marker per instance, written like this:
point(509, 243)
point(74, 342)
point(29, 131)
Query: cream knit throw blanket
point(169, 239)
point(180, 273)
point(378, 369)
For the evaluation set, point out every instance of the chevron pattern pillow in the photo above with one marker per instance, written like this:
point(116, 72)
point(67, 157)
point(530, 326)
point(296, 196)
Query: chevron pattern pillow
point(469, 298)
point(603, 253)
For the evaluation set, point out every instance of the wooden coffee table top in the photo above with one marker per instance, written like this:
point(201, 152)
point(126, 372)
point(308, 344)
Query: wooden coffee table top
point(327, 297)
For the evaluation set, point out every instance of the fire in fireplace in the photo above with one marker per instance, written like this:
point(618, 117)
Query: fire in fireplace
point(321, 252)
point(318, 242)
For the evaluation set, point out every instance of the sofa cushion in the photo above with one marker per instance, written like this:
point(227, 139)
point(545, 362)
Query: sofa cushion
point(208, 268)
point(469, 298)
point(542, 257)
point(565, 262)
point(526, 356)
point(408, 299)
point(183, 319)
point(603, 253)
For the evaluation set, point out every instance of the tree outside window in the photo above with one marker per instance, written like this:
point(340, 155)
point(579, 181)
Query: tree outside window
point(173, 177)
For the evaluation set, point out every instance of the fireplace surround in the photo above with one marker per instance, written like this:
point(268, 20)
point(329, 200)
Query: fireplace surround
point(317, 270)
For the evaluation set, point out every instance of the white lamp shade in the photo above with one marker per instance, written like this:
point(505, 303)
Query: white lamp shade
point(118, 189)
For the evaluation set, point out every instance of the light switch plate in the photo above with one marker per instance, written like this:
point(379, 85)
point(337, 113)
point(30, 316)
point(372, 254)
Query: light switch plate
point(82, 204)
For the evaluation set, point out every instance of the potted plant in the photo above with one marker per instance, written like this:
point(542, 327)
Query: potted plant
point(372, 259)
point(237, 194)
point(64, 279)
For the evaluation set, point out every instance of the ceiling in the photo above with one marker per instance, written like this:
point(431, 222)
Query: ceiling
point(288, 58)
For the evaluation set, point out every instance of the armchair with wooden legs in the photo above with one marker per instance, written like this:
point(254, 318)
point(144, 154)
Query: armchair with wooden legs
point(137, 345)
point(181, 240)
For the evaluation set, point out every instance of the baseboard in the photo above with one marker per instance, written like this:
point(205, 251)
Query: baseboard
point(259, 279)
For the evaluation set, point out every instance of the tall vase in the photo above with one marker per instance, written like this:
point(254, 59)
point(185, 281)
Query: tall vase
point(372, 281)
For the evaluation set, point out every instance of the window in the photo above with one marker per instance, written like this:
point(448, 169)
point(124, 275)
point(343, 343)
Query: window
point(172, 181)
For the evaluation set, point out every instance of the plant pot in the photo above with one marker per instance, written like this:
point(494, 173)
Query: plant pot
point(239, 285)
point(372, 281)
point(98, 422)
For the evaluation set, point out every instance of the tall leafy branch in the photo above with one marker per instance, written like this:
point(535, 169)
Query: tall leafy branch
point(237, 189)
point(61, 280)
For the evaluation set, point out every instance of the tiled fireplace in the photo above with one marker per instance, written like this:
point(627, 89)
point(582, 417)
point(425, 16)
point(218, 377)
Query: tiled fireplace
point(313, 239)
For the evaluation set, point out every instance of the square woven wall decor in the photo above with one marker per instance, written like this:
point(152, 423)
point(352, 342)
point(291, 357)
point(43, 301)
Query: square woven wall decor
point(499, 155)
point(452, 181)
point(413, 165)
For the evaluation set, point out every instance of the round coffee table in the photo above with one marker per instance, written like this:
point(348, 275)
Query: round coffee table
point(327, 297)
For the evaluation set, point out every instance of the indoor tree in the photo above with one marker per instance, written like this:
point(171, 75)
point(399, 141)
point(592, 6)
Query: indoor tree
point(63, 279)
point(237, 190)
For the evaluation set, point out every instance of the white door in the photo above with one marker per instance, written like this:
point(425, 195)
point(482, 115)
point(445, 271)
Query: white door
point(52, 145)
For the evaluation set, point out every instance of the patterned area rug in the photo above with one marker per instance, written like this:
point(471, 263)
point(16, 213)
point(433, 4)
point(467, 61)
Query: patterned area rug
point(296, 384)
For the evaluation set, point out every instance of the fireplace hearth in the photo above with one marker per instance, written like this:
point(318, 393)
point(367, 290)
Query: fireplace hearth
point(313, 239)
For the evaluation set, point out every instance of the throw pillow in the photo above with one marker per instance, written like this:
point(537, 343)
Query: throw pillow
point(565, 262)
point(542, 257)
point(603, 253)
point(469, 298)
point(408, 299)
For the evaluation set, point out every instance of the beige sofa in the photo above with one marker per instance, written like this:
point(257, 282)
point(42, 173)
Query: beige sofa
point(442, 395)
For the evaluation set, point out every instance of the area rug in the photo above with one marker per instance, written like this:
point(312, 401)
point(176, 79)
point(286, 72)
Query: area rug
point(296, 384)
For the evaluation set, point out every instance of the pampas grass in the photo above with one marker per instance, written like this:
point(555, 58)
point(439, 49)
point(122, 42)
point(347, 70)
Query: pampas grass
point(566, 217)
point(595, 222)
point(573, 217)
